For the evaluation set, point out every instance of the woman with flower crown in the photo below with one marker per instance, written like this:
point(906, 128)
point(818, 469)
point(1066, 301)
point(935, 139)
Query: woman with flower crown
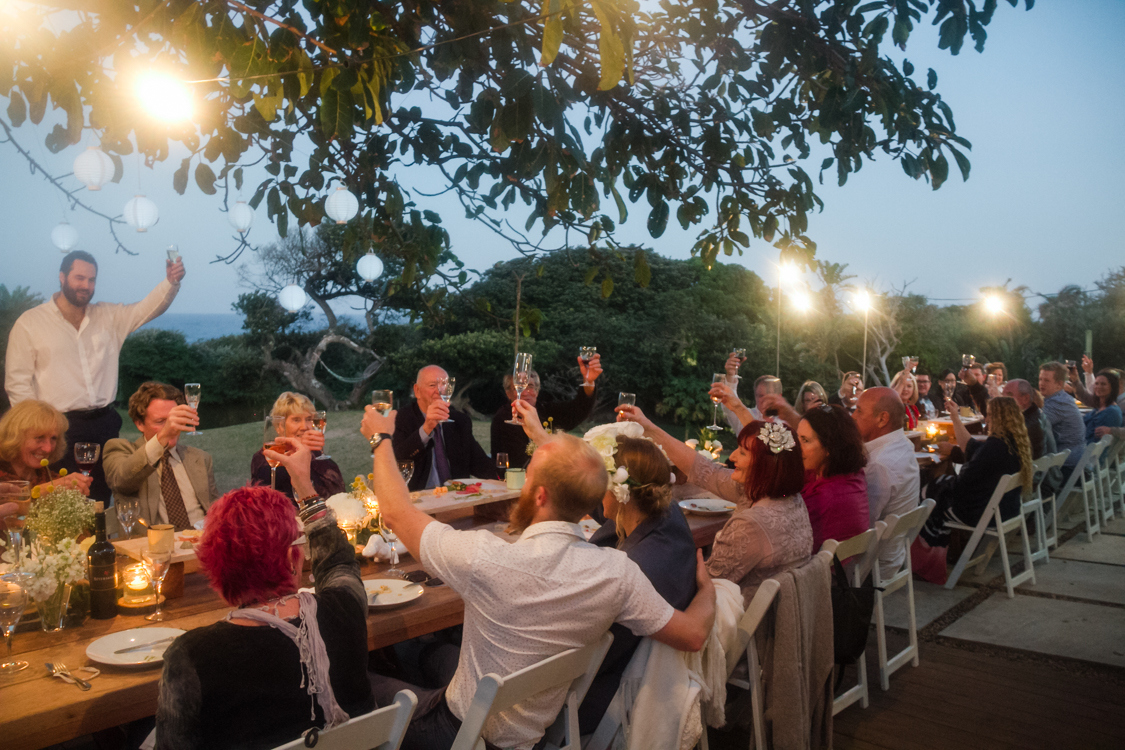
point(769, 531)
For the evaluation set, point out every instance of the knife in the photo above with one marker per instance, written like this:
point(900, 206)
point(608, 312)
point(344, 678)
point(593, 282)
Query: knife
point(142, 646)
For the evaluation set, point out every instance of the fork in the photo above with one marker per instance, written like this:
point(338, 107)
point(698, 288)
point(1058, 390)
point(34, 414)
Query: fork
point(59, 669)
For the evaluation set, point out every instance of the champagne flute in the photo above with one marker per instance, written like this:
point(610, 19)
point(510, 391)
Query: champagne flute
point(320, 422)
point(446, 386)
point(13, 600)
point(521, 376)
point(157, 564)
point(192, 395)
point(383, 401)
point(718, 377)
point(86, 456)
point(586, 353)
point(173, 253)
point(274, 427)
point(127, 510)
point(406, 468)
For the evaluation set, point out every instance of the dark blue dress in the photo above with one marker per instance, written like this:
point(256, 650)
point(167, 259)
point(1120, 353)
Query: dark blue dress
point(665, 551)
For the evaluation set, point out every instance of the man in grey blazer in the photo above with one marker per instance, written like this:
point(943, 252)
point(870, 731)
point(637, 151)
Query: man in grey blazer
point(172, 483)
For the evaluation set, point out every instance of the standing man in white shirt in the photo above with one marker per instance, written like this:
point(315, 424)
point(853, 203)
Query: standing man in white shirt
point(172, 483)
point(549, 591)
point(893, 482)
point(65, 352)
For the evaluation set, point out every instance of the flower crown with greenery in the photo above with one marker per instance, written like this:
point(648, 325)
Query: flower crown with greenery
point(604, 440)
point(777, 437)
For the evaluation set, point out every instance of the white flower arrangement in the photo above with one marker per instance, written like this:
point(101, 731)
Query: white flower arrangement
point(50, 567)
point(604, 439)
point(60, 515)
point(347, 507)
point(777, 437)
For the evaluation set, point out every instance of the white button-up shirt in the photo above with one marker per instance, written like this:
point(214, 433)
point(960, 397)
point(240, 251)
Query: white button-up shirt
point(893, 486)
point(153, 451)
point(548, 592)
point(74, 369)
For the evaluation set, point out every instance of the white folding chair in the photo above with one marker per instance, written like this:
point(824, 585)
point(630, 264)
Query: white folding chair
point(897, 530)
point(575, 668)
point(1116, 467)
point(1102, 479)
point(382, 729)
point(990, 517)
point(1047, 535)
point(863, 548)
point(1082, 483)
point(745, 645)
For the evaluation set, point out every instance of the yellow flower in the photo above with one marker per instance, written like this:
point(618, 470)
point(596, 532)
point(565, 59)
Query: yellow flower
point(35, 491)
point(62, 472)
point(43, 462)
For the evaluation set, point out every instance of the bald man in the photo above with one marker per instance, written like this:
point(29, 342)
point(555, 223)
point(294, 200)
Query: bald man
point(440, 450)
point(893, 482)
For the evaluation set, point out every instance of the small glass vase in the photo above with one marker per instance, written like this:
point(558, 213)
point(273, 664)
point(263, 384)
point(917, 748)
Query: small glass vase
point(52, 611)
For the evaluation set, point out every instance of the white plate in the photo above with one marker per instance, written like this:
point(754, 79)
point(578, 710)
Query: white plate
point(589, 526)
point(927, 456)
point(706, 506)
point(102, 650)
point(387, 593)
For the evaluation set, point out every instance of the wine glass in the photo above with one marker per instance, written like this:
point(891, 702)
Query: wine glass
point(586, 353)
point(127, 510)
point(192, 395)
point(157, 564)
point(967, 360)
point(740, 353)
point(17, 544)
point(274, 427)
point(521, 376)
point(320, 422)
point(173, 253)
point(13, 600)
point(392, 540)
point(718, 377)
point(86, 456)
point(446, 387)
point(626, 399)
point(383, 401)
point(406, 468)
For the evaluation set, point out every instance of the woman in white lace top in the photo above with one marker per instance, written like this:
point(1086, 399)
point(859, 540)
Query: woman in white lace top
point(769, 531)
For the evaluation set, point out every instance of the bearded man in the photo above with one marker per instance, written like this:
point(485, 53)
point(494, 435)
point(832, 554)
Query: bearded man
point(547, 592)
point(65, 352)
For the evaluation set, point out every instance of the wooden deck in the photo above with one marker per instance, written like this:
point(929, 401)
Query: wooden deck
point(964, 698)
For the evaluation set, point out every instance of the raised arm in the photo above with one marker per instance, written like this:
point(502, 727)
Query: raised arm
point(399, 514)
point(959, 432)
point(679, 453)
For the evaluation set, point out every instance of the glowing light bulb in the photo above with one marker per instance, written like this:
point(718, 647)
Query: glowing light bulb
point(164, 97)
point(788, 274)
point(801, 301)
point(862, 300)
point(994, 304)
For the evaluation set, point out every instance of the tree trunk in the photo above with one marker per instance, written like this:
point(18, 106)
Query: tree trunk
point(302, 375)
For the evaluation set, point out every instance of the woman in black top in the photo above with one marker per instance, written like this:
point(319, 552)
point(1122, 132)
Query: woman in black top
point(964, 497)
point(245, 682)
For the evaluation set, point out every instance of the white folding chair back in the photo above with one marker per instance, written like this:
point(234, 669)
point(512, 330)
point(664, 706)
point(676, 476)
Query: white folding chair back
point(1115, 465)
point(575, 667)
point(1102, 479)
point(864, 548)
point(897, 530)
point(992, 525)
point(747, 627)
point(382, 729)
point(1081, 484)
point(1046, 535)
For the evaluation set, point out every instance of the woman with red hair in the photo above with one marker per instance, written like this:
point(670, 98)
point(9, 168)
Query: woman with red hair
point(769, 531)
point(283, 661)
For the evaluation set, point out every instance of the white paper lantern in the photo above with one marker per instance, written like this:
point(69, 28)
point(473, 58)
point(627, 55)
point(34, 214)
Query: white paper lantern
point(341, 206)
point(64, 237)
point(369, 267)
point(292, 298)
point(93, 168)
point(241, 216)
point(140, 213)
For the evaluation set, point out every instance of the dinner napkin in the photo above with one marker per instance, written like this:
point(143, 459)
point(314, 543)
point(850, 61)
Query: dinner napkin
point(378, 548)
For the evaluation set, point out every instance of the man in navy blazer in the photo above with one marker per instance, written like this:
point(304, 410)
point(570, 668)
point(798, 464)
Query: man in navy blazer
point(440, 450)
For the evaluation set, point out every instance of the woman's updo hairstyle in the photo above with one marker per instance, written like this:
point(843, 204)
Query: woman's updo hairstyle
point(648, 467)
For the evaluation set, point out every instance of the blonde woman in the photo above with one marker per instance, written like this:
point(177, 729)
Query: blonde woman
point(298, 411)
point(964, 497)
point(811, 394)
point(31, 432)
point(907, 388)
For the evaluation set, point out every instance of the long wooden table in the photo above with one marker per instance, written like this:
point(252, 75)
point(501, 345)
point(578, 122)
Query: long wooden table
point(37, 710)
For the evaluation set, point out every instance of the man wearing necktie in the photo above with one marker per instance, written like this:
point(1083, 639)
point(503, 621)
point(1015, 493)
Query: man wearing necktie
point(440, 450)
point(172, 483)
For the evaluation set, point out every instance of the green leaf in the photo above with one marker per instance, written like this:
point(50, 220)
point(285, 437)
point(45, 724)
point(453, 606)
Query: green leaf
point(610, 49)
point(336, 113)
point(931, 79)
point(205, 178)
point(180, 176)
point(658, 219)
point(642, 273)
point(607, 286)
point(622, 211)
point(17, 109)
point(552, 31)
point(590, 274)
point(962, 163)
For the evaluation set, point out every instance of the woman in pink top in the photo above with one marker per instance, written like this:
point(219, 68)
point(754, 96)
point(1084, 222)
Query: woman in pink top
point(835, 491)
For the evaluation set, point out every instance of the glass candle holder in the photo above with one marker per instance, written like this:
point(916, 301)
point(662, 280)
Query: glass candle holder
point(136, 586)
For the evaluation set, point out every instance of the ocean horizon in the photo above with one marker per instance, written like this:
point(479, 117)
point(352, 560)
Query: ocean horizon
point(204, 326)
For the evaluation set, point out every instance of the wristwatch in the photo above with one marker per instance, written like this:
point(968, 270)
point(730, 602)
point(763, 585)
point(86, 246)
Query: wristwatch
point(377, 438)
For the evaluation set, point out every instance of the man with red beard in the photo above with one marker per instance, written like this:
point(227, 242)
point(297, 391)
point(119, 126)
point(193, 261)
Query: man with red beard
point(65, 352)
point(547, 592)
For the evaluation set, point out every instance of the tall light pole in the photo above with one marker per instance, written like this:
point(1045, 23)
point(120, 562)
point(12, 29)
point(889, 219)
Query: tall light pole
point(863, 302)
